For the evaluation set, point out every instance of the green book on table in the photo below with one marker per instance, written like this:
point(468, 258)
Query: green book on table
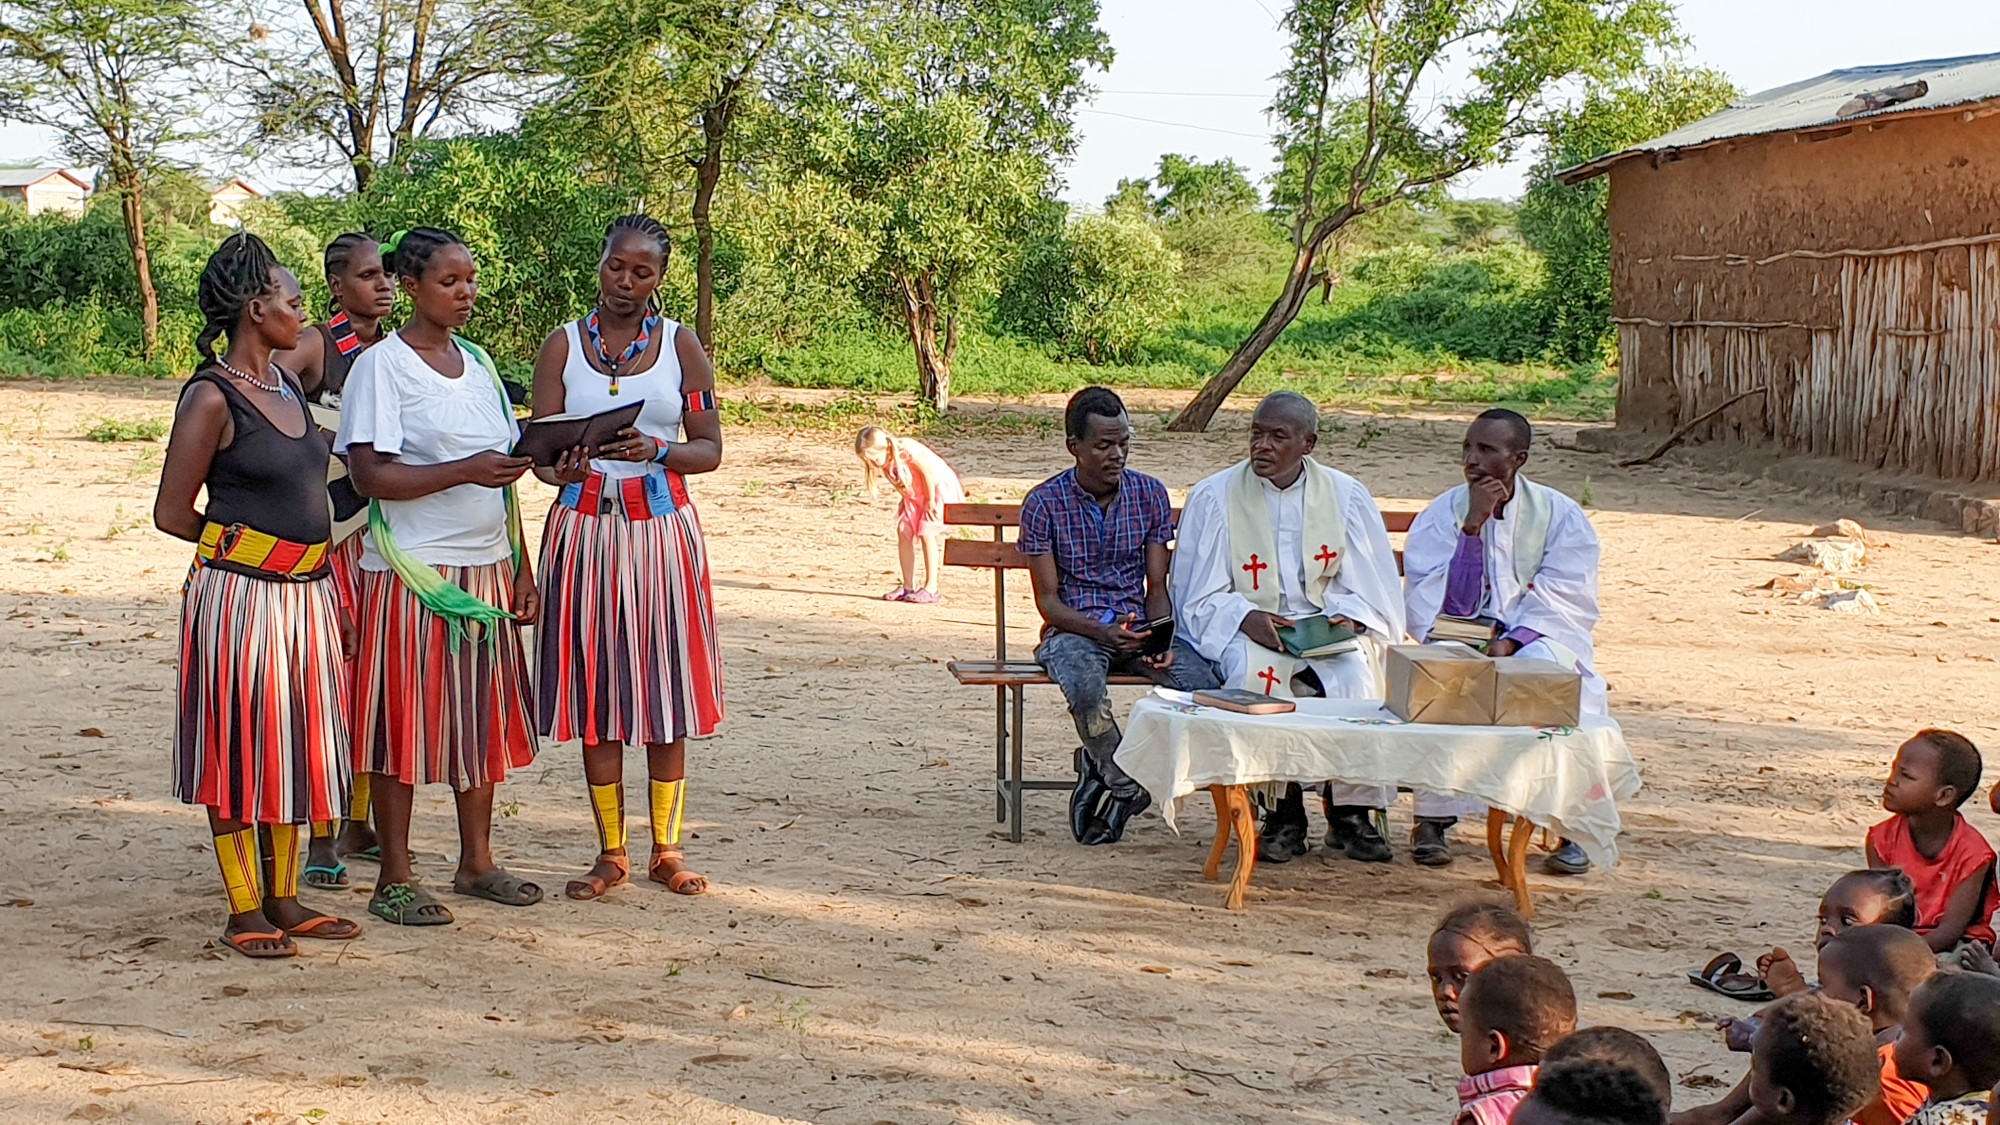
point(1316, 638)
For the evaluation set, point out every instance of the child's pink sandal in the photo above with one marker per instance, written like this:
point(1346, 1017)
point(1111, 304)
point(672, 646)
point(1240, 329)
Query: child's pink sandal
point(899, 594)
point(923, 597)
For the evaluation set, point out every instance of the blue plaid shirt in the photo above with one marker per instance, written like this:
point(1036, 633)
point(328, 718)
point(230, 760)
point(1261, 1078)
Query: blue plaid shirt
point(1100, 554)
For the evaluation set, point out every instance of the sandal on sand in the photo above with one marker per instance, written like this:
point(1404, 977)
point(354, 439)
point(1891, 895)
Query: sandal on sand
point(899, 594)
point(501, 886)
point(1724, 977)
point(240, 943)
point(372, 853)
point(325, 878)
point(326, 928)
point(682, 882)
point(407, 904)
point(589, 886)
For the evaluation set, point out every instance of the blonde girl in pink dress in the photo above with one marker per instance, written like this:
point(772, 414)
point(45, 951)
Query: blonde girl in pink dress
point(926, 484)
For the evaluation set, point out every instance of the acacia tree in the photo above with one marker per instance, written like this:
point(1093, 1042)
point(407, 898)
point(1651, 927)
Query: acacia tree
point(117, 80)
point(1361, 124)
point(942, 122)
point(368, 78)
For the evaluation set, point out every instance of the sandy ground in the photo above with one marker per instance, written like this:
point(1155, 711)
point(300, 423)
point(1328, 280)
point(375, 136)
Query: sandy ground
point(921, 968)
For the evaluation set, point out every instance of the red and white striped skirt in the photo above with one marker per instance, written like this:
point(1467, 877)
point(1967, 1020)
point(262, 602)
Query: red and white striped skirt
point(260, 728)
point(627, 637)
point(344, 561)
point(427, 710)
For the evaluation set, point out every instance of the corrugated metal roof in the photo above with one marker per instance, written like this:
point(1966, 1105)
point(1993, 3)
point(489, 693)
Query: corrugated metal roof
point(1817, 103)
point(22, 177)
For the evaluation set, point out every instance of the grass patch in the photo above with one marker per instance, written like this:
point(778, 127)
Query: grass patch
point(127, 429)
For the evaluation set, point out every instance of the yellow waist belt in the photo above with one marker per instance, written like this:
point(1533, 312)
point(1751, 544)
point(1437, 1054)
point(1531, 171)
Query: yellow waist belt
point(247, 547)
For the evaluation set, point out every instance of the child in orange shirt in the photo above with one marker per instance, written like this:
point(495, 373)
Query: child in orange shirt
point(1948, 861)
point(1810, 1064)
point(927, 484)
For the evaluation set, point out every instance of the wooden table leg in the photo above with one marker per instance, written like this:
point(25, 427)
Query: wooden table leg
point(1517, 866)
point(1496, 843)
point(1244, 818)
point(1225, 827)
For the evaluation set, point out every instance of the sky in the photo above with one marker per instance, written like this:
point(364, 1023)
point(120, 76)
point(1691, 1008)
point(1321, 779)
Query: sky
point(1194, 76)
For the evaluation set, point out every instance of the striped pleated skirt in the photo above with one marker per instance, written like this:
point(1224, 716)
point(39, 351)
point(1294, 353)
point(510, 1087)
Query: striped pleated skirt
point(344, 564)
point(427, 710)
point(260, 727)
point(627, 638)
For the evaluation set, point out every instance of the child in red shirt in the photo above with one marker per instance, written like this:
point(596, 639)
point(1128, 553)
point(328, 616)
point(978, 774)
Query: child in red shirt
point(1946, 858)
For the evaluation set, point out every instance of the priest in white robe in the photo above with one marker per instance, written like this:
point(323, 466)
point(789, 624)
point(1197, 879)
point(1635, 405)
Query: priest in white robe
point(1502, 547)
point(1273, 540)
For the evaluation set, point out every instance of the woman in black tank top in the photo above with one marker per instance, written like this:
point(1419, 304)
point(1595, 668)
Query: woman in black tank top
point(260, 732)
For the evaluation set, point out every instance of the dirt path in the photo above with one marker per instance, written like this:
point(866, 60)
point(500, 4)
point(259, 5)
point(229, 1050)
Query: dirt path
point(872, 951)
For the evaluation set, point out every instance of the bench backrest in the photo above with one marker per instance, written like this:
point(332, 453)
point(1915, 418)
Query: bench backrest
point(1000, 555)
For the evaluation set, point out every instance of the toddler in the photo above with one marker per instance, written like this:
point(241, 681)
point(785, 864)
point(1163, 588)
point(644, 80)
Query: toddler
point(1951, 1043)
point(1813, 1062)
point(927, 484)
point(1589, 1091)
point(1512, 1011)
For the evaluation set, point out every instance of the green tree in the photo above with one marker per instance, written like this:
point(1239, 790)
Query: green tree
point(1211, 215)
point(119, 81)
point(1096, 286)
point(941, 122)
point(1362, 124)
point(1567, 222)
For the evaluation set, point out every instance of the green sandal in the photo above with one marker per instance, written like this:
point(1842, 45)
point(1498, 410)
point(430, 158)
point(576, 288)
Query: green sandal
point(325, 878)
point(407, 904)
point(501, 886)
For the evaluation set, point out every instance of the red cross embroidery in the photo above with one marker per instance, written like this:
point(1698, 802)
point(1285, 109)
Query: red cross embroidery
point(1326, 556)
point(1270, 678)
point(1253, 566)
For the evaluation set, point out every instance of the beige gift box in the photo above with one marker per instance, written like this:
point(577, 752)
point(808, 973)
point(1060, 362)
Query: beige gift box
point(1443, 683)
point(1535, 693)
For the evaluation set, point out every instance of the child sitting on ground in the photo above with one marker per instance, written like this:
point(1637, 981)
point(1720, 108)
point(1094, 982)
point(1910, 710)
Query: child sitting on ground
point(1619, 1048)
point(1813, 1062)
point(1513, 1009)
point(1467, 937)
point(1589, 1091)
point(1876, 897)
point(1951, 1042)
point(1948, 861)
point(1872, 969)
point(926, 484)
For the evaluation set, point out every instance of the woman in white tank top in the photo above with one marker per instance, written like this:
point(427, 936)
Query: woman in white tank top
point(628, 647)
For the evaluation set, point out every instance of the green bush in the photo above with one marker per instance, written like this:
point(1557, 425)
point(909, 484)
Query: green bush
point(127, 429)
point(1095, 288)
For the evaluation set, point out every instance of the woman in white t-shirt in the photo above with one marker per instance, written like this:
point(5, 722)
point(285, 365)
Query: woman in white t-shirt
point(441, 682)
point(628, 648)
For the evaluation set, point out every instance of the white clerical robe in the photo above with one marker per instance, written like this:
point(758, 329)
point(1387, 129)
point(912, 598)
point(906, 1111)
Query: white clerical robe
point(1208, 612)
point(1556, 596)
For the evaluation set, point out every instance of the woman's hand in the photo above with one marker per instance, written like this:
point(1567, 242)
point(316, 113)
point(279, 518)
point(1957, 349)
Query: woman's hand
point(492, 469)
point(527, 599)
point(572, 467)
point(630, 445)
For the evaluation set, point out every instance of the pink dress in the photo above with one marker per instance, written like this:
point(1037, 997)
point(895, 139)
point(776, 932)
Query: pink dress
point(926, 483)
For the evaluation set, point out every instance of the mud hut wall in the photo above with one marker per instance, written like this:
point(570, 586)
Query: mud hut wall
point(1854, 272)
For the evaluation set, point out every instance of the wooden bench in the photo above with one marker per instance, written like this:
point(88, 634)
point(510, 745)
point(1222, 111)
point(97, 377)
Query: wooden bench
point(1010, 678)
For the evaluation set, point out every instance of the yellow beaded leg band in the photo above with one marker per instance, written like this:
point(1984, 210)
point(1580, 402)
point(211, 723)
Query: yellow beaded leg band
point(357, 806)
point(284, 861)
point(608, 803)
point(323, 829)
point(669, 799)
point(236, 854)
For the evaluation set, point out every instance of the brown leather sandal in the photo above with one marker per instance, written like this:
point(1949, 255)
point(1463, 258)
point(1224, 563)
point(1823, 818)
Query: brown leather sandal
point(591, 885)
point(681, 881)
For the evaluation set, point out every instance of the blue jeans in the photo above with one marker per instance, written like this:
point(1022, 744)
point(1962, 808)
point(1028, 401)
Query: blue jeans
point(1080, 665)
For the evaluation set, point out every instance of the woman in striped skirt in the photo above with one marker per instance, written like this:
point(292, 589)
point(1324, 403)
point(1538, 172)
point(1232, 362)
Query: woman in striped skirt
point(440, 677)
point(363, 295)
point(260, 731)
point(628, 649)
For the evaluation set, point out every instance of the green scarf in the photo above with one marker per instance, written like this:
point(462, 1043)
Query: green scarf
point(460, 610)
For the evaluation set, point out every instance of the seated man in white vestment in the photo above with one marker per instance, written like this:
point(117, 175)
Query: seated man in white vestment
point(1501, 546)
point(1271, 541)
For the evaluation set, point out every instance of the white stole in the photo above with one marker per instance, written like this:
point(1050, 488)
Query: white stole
point(1253, 561)
point(1531, 512)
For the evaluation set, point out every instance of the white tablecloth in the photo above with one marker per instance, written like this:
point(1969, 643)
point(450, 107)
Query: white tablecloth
point(1570, 782)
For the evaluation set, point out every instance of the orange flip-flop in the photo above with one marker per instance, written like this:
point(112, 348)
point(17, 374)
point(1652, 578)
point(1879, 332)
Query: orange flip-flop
point(237, 942)
point(314, 927)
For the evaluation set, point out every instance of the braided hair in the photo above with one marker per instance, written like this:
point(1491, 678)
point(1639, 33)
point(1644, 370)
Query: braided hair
point(641, 224)
point(237, 273)
point(339, 254)
point(408, 252)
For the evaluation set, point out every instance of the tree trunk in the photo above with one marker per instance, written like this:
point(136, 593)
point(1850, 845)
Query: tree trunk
point(1299, 283)
point(707, 173)
point(920, 315)
point(131, 203)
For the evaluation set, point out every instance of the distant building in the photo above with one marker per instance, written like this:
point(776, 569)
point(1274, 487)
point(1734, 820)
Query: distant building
point(225, 202)
point(44, 189)
point(1835, 242)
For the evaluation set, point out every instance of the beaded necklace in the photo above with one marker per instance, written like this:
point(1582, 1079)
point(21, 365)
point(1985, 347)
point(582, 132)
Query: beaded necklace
point(633, 350)
point(276, 386)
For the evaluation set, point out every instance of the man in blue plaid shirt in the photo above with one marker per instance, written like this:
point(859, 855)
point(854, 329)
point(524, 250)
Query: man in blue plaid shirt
point(1096, 537)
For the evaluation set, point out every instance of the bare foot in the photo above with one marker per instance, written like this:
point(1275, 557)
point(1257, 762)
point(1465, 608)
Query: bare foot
point(612, 869)
point(669, 868)
point(356, 839)
point(1781, 974)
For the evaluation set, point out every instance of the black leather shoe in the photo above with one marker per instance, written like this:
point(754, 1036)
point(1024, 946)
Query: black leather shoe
point(1567, 859)
point(1087, 799)
point(1110, 828)
point(1281, 841)
point(1430, 844)
point(1358, 839)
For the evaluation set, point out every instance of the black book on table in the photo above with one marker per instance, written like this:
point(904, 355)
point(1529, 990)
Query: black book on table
point(547, 439)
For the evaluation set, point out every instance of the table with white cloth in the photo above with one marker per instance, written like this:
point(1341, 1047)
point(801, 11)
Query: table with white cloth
point(1566, 780)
